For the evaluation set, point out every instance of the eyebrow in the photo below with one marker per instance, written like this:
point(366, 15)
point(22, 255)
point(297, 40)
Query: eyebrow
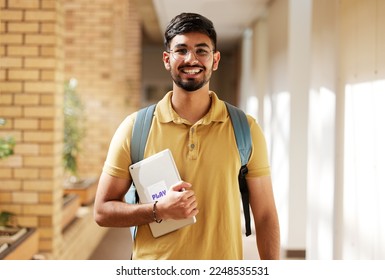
point(196, 46)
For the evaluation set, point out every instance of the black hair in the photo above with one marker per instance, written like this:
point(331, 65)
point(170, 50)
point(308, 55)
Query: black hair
point(189, 22)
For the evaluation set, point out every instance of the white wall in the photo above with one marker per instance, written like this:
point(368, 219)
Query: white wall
point(298, 87)
point(319, 79)
point(362, 83)
point(322, 118)
point(277, 110)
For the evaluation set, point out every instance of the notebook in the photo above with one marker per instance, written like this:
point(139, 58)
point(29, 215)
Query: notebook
point(153, 176)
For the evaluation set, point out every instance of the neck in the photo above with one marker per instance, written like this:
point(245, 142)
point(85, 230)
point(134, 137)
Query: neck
point(191, 106)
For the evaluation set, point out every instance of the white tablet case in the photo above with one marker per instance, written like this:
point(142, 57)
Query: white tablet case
point(152, 177)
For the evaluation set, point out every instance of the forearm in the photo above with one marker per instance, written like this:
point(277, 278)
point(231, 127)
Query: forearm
point(121, 214)
point(265, 217)
point(110, 210)
point(268, 239)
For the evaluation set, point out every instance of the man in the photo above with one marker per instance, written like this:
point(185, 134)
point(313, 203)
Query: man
point(194, 124)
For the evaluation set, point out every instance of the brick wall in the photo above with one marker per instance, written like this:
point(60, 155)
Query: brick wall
point(31, 96)
point(42, 44)
point(102, 50)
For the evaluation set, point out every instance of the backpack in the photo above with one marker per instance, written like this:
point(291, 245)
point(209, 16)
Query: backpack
point(241, 128)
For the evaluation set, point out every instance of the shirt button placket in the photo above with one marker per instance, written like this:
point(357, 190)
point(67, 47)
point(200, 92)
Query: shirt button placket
point(192, 143)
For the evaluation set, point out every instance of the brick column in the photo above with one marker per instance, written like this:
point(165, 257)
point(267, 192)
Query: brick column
point(31, 93)
point(42, 44)
point(103, 53)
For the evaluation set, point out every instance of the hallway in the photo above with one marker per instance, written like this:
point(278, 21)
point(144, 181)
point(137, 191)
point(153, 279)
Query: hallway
point(311, 73)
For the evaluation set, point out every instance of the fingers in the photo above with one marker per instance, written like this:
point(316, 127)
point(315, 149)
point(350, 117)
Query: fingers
point(181, 186)
point(190, 203)
point(193, 210)
point(179, 203)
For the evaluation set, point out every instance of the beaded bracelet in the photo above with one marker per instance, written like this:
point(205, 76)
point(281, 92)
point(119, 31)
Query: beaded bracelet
point(154, 213)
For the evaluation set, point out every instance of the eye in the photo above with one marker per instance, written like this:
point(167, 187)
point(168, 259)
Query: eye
point(202, 52)
point(181, 51)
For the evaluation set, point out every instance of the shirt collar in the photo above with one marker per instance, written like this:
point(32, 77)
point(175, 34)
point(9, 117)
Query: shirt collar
point(165, 113)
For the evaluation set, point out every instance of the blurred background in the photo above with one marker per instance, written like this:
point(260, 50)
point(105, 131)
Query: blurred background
point(312, 72)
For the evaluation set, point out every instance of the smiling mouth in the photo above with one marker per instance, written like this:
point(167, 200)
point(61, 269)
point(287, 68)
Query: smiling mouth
point(191, 71)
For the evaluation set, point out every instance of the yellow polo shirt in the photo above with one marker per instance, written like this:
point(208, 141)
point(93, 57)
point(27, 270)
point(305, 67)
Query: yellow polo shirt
point(206, 155)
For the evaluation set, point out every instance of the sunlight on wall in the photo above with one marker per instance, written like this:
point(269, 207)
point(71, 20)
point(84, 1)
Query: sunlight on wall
point(277, 124)
point(321, 174)
point(252, 107)
point(364, 176)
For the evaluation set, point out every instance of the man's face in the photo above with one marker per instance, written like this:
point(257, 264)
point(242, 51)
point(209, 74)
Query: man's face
point(191, 60)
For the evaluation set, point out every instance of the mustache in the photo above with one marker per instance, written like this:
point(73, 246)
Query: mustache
point(189, 66)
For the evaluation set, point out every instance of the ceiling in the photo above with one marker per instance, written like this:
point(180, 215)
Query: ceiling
point(230, 17)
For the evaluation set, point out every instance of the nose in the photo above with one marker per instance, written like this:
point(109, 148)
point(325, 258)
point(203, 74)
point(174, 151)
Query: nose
point(191, 57)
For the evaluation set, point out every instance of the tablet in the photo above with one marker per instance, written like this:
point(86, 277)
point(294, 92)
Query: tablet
point(153, 176)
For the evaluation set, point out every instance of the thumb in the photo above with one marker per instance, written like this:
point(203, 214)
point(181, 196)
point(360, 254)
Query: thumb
point(180, 186)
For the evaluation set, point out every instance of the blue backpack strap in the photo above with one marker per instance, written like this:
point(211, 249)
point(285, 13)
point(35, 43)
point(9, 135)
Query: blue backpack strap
point(241, 131)
point(243, 138)
point(140, 132)
point(139, 137)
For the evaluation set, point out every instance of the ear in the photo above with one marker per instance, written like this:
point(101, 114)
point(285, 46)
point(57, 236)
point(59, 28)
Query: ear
point(217, 57)
point(166, 60)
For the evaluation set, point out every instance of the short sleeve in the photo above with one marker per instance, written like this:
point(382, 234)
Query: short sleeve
point(118, 157)
point(258, 165)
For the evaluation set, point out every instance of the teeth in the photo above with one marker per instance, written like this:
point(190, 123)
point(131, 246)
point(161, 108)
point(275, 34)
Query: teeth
point(191, 72)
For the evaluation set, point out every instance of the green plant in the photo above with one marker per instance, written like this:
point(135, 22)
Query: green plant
point(7, 219)
point(6, 144)
point(74, 130)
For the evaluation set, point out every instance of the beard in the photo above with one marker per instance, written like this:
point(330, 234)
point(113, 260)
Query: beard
point(190, 84)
